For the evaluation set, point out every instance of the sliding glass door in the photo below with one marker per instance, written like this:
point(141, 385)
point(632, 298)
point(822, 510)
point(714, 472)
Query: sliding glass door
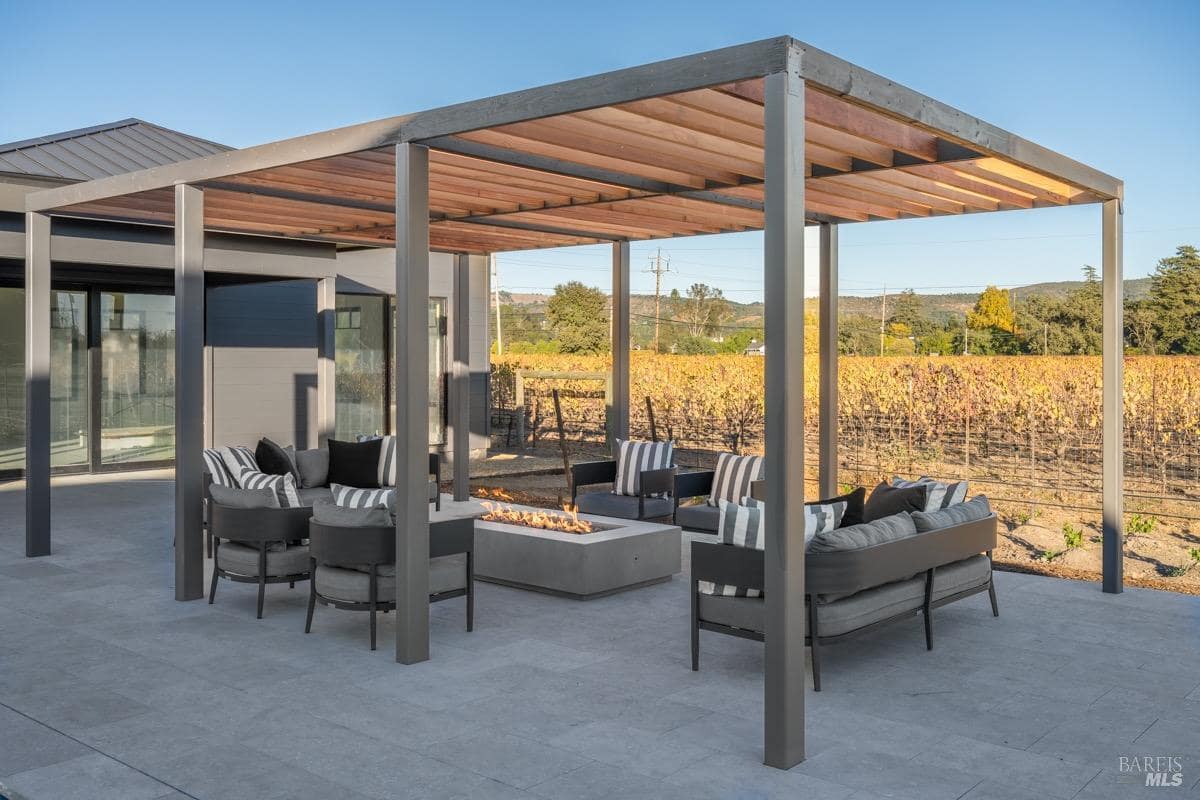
point(12, 381)
point(69, 429)
point(137, 378)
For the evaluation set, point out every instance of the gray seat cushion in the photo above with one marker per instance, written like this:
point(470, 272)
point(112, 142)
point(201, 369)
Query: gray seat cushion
point(737, 612)
point(327, 513)
point(607, 504)
point(698, 518)
point(446, 573)
point(870, 605)
point(314, 495)
point(243, 560)
point(234, 497)
point(866, 534)
point(970, 573)
point(975, 508)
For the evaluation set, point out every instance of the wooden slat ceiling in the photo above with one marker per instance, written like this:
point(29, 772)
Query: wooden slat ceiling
point(679, 165)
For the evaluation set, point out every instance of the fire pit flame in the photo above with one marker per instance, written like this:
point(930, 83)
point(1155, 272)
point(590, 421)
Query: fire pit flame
point(566, 521)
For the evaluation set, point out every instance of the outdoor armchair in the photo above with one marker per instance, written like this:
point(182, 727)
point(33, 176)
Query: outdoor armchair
point(652, 501)
point(258, 545)
point(354, 567)
point(701, 517)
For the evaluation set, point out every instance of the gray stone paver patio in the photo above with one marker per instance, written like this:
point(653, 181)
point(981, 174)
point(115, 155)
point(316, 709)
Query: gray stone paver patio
point(109, 688)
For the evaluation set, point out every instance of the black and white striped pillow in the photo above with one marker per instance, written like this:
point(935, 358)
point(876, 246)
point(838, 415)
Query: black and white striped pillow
point(221, 476)
point(284, 486)
point(740, 526)
point(351, 497)
point(238, 460)
point(733, 477)
point(634, 458)
point(940, 495)
point(818, 517)
point(387, 461)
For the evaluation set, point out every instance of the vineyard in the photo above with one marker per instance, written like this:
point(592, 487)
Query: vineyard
point(1025, 430)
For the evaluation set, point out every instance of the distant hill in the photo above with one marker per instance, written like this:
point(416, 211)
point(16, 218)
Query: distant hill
point(937, 306)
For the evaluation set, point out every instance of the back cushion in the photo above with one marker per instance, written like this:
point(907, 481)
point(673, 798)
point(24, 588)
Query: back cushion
point(974, 509)
point(634, 458)
point(350, 497)
point(868, 534)
point(314, 467)
point(244, 498)
point(328, 513)
point(888, 500)
point(355, 463)
point(941, 495)
point(733, 477)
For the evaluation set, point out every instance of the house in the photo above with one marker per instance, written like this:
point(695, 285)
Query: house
point(112, 321)
point(755, 348)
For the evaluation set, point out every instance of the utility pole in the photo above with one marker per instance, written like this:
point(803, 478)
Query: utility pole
point(1045, 338)
point(495, 278)
point(882, 318)
point(659, 266)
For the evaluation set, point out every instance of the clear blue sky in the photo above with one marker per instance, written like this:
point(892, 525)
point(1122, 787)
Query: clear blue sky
point(1116, 85)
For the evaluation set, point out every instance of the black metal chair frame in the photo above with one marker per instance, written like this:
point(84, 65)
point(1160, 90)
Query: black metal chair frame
point(846, 573)
point(650, 482)
point(255, 527)
point(688, 485)
point(342, 546)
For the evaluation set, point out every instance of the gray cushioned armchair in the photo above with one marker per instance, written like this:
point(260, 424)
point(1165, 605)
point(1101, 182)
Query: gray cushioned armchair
point(653, 500)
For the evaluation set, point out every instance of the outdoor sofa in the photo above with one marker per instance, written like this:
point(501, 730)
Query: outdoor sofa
point(857, 578)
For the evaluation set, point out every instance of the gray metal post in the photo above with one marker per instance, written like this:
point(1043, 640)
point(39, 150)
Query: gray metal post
point(783, 243)
point(326, 360)
point(37, 384)
point(1113, 422)
point(618, 411)
point(412, 403)
point(189, 392)
point(828, 433)
point(461, 384)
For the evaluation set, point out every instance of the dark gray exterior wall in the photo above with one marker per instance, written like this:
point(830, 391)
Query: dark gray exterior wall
point(262, 351)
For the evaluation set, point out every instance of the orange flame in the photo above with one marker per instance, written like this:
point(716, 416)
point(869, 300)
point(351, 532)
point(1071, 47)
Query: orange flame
point(567, 521)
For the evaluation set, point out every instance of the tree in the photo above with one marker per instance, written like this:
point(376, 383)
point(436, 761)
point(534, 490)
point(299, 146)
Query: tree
point(690, 345)
point(909, 311)
point(578, 316)
point(992, 310)
point(702, 310)
point(738, 341)
point(1175, 297)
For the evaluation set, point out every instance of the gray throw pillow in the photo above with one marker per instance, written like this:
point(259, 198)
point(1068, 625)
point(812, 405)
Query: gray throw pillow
point(328, 513)
point(867, 534)
point(314, 467)
point(244, 498)
point(974, 509)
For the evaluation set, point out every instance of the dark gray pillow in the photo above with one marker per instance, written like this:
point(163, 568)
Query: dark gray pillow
point(328, 513)
point(314, 468)
point(887, 500)
point(273, 459)
point(244, 498)
point(975, 508)
point(868, 534)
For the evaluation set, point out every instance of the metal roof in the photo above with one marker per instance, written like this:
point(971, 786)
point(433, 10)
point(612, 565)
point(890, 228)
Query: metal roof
point(103, 150)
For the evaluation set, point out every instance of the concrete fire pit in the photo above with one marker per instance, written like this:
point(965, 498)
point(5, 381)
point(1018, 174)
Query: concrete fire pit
point(619, 555)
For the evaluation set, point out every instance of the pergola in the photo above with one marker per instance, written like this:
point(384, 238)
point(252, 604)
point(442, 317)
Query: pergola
point(773, 135)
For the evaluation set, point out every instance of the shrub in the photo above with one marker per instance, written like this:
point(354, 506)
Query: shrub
point(1141, 524)
point(1072, 536)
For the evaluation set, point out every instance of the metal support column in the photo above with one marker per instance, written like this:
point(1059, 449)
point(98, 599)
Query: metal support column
point(460, 390)
point(618, 410)
point(783, 244)
point(828, 432)
point(326, 360)
point(1113, 423)
point(37, 384)
point(189, 392)
point(412, 403)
